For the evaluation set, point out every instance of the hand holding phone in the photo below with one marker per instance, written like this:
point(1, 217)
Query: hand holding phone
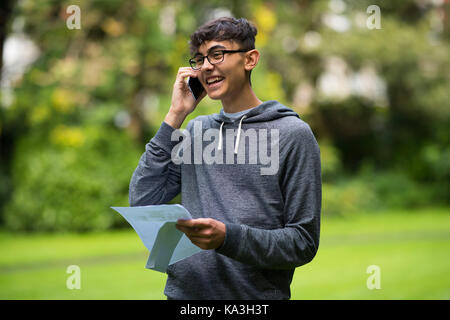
point(196, 87)
point(184, 101)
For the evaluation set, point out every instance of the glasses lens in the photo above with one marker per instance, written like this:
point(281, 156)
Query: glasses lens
point(215, 57)
point(196, 63)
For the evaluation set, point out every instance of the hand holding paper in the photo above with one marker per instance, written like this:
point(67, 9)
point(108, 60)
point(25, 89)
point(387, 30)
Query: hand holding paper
point(155, 225)
point(205, 233)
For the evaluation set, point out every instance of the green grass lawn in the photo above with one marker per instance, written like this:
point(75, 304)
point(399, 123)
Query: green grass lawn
point(411, 250)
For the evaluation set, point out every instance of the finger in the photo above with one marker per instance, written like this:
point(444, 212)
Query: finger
point(199, 240)
point(199, 223)
point(181, 78)
point(188, 71)
point(201, 243)
point(186, 230)
point(193, 232)
point(185, 222)
point(184, 69)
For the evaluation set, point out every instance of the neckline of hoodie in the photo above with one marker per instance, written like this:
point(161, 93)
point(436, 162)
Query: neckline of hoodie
point(222, 117)
point(237, 115)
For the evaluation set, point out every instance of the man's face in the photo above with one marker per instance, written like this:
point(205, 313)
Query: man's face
point(231, 70)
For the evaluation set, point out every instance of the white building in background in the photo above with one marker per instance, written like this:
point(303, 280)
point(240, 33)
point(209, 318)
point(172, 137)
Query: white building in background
point(19, 52)
point(339, 81)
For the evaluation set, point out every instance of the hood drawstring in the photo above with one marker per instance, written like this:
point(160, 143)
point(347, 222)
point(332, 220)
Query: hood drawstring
point(220, 136)
point(238, 136)
point(236, 148)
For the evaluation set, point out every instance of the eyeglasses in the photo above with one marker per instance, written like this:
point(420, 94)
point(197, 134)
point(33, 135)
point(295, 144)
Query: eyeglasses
point(213, 57)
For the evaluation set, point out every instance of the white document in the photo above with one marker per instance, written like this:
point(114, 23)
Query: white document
point(155, 225)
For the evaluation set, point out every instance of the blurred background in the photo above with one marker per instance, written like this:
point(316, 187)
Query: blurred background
point(78, 105)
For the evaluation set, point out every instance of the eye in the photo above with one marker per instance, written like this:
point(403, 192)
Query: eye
point(216, 55)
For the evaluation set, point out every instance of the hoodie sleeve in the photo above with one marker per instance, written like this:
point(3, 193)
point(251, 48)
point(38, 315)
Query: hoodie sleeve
point(156, 180)
point(300, 181)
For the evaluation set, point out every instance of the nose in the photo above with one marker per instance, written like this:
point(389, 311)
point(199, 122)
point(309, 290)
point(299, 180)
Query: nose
point(207, 65)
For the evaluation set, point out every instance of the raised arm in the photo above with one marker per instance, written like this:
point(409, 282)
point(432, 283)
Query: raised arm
point(157, 180)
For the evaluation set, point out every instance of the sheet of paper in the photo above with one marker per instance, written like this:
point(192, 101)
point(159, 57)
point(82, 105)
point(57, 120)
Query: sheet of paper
point(155, 225)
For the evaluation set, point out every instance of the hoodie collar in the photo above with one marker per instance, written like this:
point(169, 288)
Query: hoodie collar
point(266, 111)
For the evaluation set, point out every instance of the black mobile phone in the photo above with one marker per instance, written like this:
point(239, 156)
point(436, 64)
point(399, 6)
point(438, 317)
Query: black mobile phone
point(196, 87)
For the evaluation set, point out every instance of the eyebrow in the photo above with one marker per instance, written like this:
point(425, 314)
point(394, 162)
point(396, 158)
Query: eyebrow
point(217, 46)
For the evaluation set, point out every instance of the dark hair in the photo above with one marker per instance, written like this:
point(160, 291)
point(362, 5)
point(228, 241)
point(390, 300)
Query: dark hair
point(225, 28)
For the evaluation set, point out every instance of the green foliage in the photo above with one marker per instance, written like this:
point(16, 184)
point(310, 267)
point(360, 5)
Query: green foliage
point(372, 191)
point(397, 190)
point(348, 198)
point(354, 127)
point(83, 111)
point(331, 164)
point(69, 182)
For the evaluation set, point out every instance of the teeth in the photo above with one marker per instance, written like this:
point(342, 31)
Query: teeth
point(213, 79)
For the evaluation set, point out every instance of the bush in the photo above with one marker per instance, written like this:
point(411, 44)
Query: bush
point(396, 190)
point(372, 191)
point(70, 182)
point(330, 161)
point(347, 198)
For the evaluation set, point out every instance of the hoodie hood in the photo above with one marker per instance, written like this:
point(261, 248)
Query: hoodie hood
point(266, 111)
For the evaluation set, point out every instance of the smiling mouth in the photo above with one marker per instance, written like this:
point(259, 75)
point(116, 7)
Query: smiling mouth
point(214, 82)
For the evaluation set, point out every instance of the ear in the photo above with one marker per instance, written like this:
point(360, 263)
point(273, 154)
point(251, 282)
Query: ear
point(251, 59)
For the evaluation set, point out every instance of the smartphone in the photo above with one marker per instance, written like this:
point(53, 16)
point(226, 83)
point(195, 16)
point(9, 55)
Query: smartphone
point(196, 87)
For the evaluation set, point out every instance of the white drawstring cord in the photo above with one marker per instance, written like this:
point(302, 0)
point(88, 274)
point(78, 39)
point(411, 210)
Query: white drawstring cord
point(236, 148)
point(238, 136)
point(220, 137)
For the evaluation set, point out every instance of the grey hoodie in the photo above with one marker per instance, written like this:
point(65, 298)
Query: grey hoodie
point(272, 216)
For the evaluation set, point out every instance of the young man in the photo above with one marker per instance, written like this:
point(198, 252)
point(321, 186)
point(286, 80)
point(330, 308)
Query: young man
point(255, 221)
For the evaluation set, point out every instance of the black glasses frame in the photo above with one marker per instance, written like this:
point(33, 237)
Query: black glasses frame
point(192, 62)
